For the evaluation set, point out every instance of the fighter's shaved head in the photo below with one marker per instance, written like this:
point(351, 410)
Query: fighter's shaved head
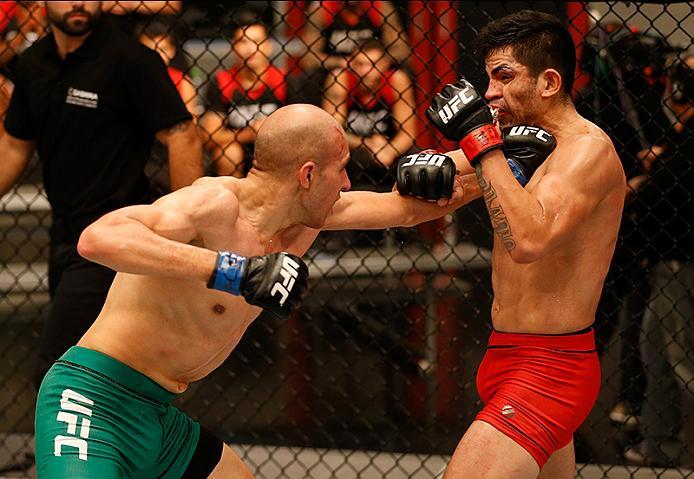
point(295, 134)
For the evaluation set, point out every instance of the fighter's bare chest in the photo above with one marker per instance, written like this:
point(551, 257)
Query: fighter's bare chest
point(244, 239)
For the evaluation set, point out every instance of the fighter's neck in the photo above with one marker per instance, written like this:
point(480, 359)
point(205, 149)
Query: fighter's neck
point(263, 205)
point(561, 120)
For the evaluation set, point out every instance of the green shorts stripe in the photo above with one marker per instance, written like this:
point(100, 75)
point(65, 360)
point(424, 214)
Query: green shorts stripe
point(97, 417)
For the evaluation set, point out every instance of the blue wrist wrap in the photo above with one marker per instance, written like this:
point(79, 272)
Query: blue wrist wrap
point(228, 272)
point(517, 171)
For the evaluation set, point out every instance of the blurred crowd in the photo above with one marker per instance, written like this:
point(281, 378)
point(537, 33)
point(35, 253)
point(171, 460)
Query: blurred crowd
point(233, 65)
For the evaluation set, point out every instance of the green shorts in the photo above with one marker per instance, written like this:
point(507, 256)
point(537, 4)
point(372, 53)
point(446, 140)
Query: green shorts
point(98, 418)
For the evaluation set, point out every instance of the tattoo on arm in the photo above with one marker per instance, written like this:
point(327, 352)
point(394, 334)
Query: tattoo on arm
point(496, 212)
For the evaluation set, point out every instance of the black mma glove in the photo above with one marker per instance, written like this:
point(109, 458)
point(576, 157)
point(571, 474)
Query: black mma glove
point(462, 115)
point(427, 174)
point(275, 282)
point(526, 148)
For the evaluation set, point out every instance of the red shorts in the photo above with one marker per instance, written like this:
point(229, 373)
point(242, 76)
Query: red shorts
point(537, 388)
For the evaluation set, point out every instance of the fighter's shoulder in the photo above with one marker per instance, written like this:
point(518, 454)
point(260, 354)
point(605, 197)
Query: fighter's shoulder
point(590, 148)
point(223, 189)
point(216, 181)
point(207, 197)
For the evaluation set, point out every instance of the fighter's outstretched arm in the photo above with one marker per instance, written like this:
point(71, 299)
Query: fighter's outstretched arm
point(153, 239)
point(369, 210)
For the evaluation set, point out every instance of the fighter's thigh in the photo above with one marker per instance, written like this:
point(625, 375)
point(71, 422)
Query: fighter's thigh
point(486, 453)
point(67, 446)
point(561, 464)
point(230, 465)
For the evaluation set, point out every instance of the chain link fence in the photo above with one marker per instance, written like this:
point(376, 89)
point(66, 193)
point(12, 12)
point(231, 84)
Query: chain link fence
point(383, 355)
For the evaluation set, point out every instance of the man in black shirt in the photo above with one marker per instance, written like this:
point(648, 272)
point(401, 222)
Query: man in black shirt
point(90, 100)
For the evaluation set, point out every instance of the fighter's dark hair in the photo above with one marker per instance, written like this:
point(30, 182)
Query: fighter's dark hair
point(539, 41)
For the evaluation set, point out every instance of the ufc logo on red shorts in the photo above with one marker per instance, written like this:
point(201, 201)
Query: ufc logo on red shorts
point(451, 107)
point(289, 273)
point(424, 159)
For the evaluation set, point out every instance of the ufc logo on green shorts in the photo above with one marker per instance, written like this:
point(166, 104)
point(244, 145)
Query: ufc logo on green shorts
point(71, 404)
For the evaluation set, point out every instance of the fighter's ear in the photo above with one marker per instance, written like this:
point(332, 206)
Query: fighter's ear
point(307, 174)
point(550, 82)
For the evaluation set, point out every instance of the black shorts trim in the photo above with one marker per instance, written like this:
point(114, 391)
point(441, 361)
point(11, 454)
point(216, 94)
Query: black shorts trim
point(206, 456)
point(572, 333)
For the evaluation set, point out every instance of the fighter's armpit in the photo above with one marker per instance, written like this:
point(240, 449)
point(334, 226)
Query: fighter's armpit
point(197, 241)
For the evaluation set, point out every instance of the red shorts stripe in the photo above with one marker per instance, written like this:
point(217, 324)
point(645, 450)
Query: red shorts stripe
point(537, 388)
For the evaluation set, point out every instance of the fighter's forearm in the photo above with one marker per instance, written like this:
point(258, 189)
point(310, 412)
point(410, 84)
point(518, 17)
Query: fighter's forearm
point(126, 245)
point(516, 217)
point(369, 210)
point(422, 211)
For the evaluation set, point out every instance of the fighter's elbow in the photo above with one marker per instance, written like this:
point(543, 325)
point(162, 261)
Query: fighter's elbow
point(88, 244)
point(410, 222)
point(410, 219)
point(524, 251)
point(92, 244)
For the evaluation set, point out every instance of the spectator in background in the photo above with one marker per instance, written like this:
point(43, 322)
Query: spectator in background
point(5, 95)
point(159, 38)
point(667, 338)
point(121, 7)
point(132, 16)
point(22, 23)
point(239, 99)
point(77, 102)
point(625, 98)
point(333, 31)
point(25, 24)
point(375, 104)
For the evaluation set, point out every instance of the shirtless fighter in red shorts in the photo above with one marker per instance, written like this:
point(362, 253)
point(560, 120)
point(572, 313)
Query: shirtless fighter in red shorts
point(554, 239)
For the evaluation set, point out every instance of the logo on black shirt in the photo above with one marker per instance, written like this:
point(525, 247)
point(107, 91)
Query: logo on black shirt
point(82, 98)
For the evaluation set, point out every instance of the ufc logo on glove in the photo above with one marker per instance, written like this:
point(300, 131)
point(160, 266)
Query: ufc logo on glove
point(451, 108)
point(424, 159)
point(289, 273)
point(538, 133)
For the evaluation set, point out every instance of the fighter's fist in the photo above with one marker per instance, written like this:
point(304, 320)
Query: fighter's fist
point(462, 115)
point(428, 175)
point(526, 148)
point(275, 282)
